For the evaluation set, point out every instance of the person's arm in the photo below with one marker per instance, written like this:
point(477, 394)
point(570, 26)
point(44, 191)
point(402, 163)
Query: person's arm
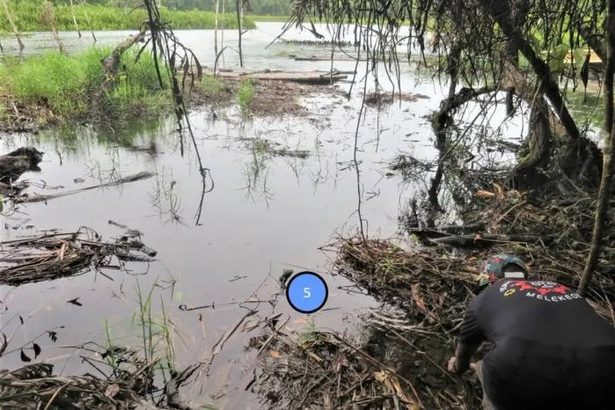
point(463, 355)
point(470, 339)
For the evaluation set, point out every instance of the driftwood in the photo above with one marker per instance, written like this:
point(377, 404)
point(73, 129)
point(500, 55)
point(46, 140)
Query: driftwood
point(474, 239)
point(15, 163)
point(482, 240)
point(42, 198)
point(112, 63)
point(304, 77)
point(328, 58)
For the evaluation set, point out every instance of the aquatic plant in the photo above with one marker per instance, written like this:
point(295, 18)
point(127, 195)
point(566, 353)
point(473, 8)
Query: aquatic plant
point(245, 95)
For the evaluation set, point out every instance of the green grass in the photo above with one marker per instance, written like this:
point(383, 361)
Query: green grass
point(29, 17)
point(54, 79)
point(245, 95)
point(211, 85)
point(67, 84)
point(268, 19)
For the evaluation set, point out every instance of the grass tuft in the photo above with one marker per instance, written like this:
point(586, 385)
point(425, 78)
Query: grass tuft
point(245, 95)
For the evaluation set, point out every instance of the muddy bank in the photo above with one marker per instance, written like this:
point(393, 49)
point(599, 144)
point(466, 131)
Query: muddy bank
point(424, 284)
point(271, 99)
point(399, 359)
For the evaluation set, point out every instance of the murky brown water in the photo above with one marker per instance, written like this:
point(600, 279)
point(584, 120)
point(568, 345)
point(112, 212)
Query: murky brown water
point(266, 214)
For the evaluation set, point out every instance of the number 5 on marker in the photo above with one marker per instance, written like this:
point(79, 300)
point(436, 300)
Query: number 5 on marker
point(307, 292)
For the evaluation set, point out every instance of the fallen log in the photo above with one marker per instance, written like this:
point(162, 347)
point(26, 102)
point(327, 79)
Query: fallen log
point(328, 58)
point(484, 240)
point(304, 77)
point(112, 63)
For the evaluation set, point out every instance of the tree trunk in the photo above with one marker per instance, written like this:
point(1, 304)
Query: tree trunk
point(49, 18)
point(604, 192)
point(72, 11)
point(501, 12)
point(216, 29)
point(239, 5)
point(538, 142)
point(12, 24)
point(87, 19)
point(452, 68)
point(520, 11)
point(577, 154)
point(222, 28)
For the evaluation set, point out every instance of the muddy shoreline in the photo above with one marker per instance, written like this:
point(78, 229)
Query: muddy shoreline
point(424, 288)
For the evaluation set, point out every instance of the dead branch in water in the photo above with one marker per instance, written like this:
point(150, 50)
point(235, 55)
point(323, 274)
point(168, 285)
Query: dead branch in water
point(325, 370)
point(42, 198)
point(35, 386)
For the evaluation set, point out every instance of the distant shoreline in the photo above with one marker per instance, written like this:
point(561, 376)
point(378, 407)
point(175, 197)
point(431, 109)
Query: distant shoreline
point(35, 18)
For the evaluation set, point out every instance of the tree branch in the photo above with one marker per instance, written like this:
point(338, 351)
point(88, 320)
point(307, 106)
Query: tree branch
point(604, 192)
point(502, 14)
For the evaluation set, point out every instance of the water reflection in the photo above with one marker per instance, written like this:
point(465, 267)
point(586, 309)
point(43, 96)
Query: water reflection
point(284, 187)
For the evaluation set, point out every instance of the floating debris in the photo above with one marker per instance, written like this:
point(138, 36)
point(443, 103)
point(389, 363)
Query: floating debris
point(380, 98)
point(315, 370)
point(54, 255)
point(35, 386)
point(25, 198)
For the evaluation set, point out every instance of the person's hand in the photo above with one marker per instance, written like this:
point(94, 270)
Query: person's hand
point(452, 365)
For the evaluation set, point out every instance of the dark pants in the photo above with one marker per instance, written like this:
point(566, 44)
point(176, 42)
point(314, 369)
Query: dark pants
point(487, 403)
point(597, 394)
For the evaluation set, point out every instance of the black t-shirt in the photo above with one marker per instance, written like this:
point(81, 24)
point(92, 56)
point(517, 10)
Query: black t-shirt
point(551, 348)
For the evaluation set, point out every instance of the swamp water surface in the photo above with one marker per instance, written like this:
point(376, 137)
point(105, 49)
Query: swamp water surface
point(266, 213)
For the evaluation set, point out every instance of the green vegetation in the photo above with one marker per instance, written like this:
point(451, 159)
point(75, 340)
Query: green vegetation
point(211, 85)
point(258, 7)
point(268, 18)
point(245, 95)
point(586, 107)
point(70, 85)
point(28, 16)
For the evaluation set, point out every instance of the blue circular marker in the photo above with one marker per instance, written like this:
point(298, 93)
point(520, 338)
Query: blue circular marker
point(307, 292)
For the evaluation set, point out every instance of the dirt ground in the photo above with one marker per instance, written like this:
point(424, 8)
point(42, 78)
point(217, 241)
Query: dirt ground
point(271, 99)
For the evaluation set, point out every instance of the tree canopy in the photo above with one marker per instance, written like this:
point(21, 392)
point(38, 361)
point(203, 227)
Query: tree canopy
point(514, 45)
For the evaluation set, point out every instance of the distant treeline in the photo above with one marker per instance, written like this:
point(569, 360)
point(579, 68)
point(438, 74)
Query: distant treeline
point(37, 15)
